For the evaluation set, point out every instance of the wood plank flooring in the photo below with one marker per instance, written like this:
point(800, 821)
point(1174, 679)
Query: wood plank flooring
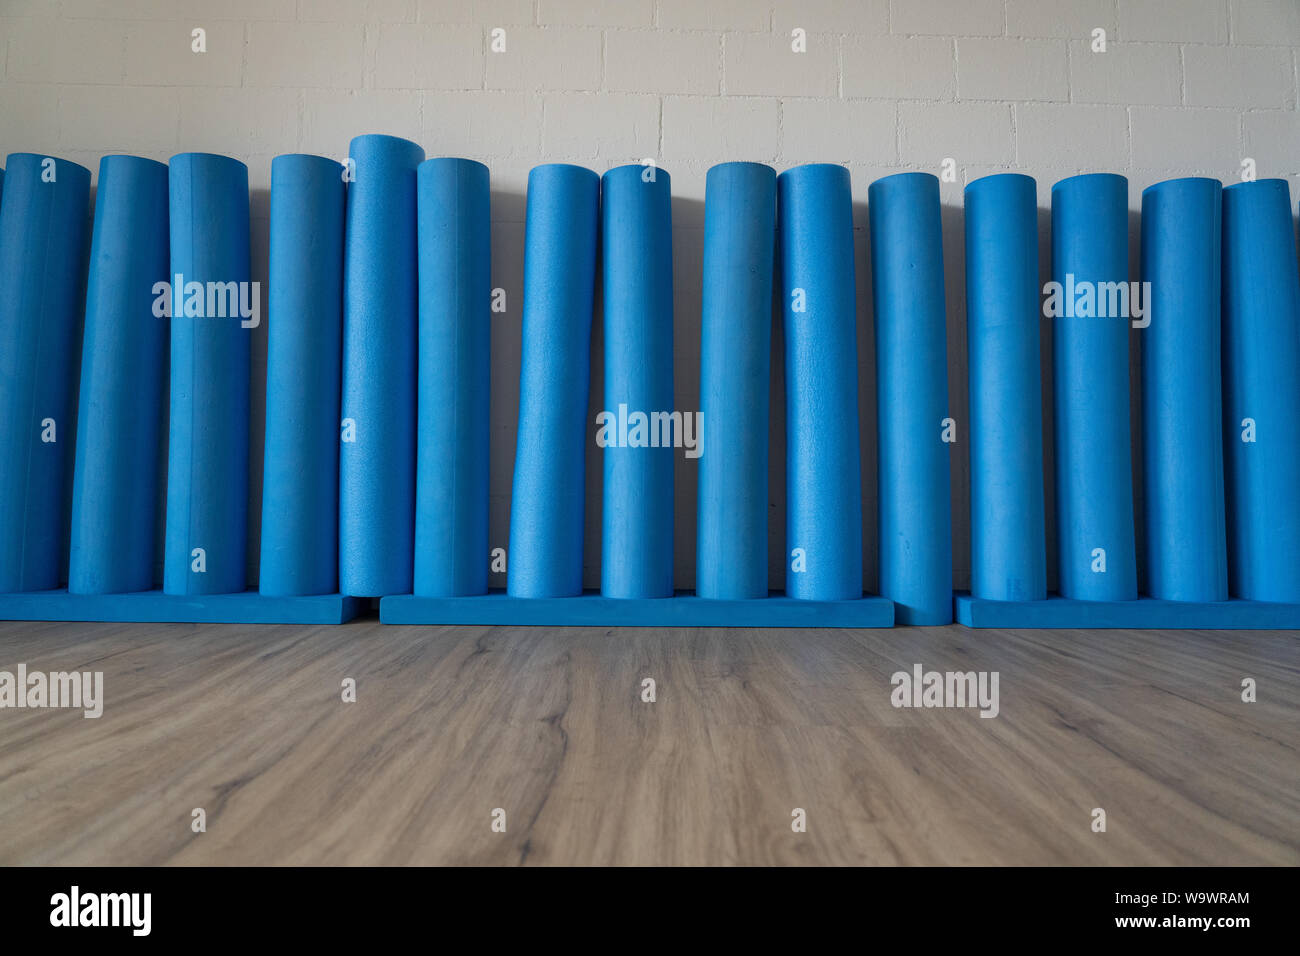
point(548, 725)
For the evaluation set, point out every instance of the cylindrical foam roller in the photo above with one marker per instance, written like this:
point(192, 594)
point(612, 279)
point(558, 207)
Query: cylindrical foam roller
point(451, 497)
point(207, 444)
point(1182, 406)
point(42, 282)
point(1094, 477)
point(123, 355)
point(637, 518)
point(546, 505)
point(1008, 553)
point(735, 359)
point(303, 368)
point(1261, 391)
point(380, 310)
point(913, 486)
point(823, 465)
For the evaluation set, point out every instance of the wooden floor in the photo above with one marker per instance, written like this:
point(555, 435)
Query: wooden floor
point(548, 725)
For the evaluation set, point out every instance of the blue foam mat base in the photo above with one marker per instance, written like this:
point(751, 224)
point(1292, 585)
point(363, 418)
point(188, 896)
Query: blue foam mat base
point(245, 607)
point(591, 609)
point(1145, 612)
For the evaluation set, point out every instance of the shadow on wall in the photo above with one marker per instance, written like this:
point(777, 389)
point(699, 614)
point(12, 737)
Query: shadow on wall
point(688, 233)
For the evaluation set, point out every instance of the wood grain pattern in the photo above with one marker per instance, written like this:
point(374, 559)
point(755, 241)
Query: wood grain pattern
point(450, 723)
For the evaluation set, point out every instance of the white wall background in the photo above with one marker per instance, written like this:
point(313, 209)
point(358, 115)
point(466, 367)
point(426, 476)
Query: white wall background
point(1185, 87)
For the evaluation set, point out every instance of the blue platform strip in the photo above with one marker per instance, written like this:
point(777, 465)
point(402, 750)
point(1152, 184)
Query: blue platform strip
point(546, 506)
point(1058, 612)
point(1182, 411)
point(1008, 550)
point(823, 546)
point(1261, 391)
point(914, 488)
point(123, 357)
point(637, 517)
point(380, 308)
point(594, 610)
point(451, 495)
point(207, 453)
point(42, 283)
point(1094, 474)
point(146, 607)
point(303, 368)
point(735, 368)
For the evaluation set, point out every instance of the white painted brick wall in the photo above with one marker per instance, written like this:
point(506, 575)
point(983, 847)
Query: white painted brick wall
point(158, 54)
point(1174, 20)
point(1012, 69)
point(840, 131)
point(1066, 19)
point(547, 58)
point(1185, 87)
point(305, 55)
point(899, 68)
point(762, 64)
point(1146, 74)
point(666, 61)
point(967, 132)
point(1261, 78)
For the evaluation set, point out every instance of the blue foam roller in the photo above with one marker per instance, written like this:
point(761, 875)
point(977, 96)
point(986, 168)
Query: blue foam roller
point(913, 485)
point(451, 497)
point(637, 518)
point(546, 504)
point(1261, 383)
point(735, 359)
point(206, 542)
point(42, 282)
point(1008, 550)
point(299, 553)
point(380, 316)
point(823, 465)
point(1094, 476)
point(1182, 406)
point(123, 355)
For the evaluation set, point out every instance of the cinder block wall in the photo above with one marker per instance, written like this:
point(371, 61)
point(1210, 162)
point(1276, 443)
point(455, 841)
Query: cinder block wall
point(1183, 87)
